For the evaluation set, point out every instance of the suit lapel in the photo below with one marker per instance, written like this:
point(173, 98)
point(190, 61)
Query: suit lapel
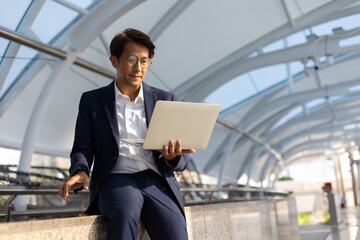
point(150, 99)
point(108, 98)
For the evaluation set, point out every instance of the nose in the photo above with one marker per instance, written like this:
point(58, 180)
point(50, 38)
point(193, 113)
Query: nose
point(137, 66)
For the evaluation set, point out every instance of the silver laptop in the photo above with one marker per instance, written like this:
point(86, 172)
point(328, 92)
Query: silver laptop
point(192, 123)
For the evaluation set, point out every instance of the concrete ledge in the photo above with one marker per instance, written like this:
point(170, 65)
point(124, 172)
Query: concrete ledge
point(276, 219)
point(87, 227)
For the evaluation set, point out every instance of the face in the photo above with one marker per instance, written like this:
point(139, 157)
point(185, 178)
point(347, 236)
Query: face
point(129, 77)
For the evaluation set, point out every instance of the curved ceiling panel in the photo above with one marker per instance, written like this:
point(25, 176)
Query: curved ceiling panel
point(279, 67)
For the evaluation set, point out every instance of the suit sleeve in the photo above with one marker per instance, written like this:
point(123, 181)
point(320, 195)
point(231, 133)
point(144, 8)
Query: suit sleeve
point(182, 163)
point(82, 152)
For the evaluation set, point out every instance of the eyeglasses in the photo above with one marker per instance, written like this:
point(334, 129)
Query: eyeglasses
point(132, 60)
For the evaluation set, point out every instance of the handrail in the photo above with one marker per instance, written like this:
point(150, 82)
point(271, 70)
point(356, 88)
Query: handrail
point(14, 192)
point(34, 191)
point(244, 194)
point(52, 51)
point(6, 191)
point(253, 138)
point(235, 189)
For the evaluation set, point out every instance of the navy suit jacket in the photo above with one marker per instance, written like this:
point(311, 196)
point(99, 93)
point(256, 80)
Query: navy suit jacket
point(97, 139)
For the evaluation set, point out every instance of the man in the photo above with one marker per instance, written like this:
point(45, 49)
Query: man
point(127, 182)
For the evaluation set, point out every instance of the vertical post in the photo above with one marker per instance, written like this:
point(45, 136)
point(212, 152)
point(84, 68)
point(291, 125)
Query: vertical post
point(234, 137)
point(353, 178)
point(7, 207)
point(253, 158)
point(37, 118)
point(357, 162)
point(342, 187)
point(289, 73)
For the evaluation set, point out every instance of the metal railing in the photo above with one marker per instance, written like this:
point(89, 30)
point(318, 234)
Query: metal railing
point(60, 210)
point(233, 194)
point(191, 195)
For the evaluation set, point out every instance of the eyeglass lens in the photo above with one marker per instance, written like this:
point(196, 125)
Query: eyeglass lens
point(133, 60)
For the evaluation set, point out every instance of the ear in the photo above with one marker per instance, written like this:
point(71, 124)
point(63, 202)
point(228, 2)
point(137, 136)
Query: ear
point(113, 61)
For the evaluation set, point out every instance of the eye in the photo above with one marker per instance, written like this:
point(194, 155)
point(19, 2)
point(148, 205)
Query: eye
point(132, 59)
point(144, 61)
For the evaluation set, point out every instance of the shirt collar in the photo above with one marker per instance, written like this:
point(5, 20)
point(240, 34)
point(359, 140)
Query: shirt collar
point(140, 96)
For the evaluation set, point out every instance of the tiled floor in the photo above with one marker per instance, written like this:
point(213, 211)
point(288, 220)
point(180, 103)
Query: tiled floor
point(347, 230)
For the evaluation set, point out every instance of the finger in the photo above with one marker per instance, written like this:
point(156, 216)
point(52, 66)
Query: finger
point(171, 148)
point(86, 183)
point(165, 151)
point(63, 193)
point(188, 151)
point(178, 147)
point(67, 188)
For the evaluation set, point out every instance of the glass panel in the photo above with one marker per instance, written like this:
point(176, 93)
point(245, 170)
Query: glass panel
point(337, 98)
point(296, 67)
point(254, 54)
point(232, 92)
point(290, 115)
point(52, 18)
point(346, 23)
point(349, 41)
point(296, 39)
point(82, 3)
point(3, 45)
point(268, 76)
point(22, 58)
point(313, 104)
point(11, 12)
point(274, 46)
point(354, 88)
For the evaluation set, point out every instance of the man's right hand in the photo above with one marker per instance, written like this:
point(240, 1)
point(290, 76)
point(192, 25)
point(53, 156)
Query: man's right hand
point(81, 179)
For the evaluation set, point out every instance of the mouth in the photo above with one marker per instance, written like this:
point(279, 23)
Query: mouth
point(135, 76)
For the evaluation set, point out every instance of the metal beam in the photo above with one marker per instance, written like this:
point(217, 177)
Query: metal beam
point(13, 48)
point(307, 155)
point(343, 140)
point(168, 18)
point(89, 27)
point(81, 36)
point(6, 143)
point(18, 85)
point(19, 38)
point(325, 114)
point(343, 88)
point(343, 112)
point(287, 12)
point(72, 6)
point(38, 113)
point(338, 127)
point(324, 92)
point(52, 51)
point(240, 140)
point(216, 74)
point(271, 92)
point(322, 46)
point(253, 138)
point(264, 168)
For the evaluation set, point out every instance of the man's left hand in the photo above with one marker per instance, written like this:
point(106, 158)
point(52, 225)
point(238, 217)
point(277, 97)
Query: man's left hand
point(172, 151)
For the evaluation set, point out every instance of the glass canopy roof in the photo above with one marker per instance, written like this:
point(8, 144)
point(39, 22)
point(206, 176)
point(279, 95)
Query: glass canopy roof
point(285, 72)
point(263, 78)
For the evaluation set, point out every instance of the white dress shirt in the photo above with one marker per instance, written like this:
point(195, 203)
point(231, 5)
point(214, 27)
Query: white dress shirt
point(132, 124)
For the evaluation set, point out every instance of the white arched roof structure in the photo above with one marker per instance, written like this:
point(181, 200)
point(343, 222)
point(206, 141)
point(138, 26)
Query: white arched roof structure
point(285, 71)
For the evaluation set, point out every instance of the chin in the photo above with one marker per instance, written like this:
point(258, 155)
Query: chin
point(136, 83)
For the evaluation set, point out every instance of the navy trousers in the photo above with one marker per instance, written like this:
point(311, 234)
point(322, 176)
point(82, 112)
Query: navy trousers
point(125, 198)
